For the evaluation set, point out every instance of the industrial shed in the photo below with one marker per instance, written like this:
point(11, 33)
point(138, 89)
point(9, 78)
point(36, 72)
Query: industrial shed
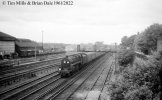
point(7, 44)
point(26, 47)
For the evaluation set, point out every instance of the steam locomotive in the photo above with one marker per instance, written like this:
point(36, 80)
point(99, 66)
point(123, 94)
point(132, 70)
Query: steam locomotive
point(75, 62)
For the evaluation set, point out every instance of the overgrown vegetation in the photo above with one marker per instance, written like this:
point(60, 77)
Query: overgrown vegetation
point(137, 82)
point(147, 41)
point(126, 57)
point(138, 78)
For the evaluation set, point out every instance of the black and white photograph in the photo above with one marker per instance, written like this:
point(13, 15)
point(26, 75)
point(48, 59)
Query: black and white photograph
point(80, 49)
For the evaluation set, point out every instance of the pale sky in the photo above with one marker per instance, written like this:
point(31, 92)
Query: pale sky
point(86, 21)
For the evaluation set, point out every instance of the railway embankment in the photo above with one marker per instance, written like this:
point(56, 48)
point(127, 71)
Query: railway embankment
point(136, 77)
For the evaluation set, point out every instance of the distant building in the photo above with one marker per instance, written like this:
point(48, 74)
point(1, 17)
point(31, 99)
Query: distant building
point(78, 48)
point(87, 47)
point(26, 45)
point(71, 47)
point(100, 46)
point(7, 44)
point(53, 47)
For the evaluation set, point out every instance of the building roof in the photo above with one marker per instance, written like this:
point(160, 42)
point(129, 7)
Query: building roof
point(24, 40)
point(28, 44)
point(6, 37)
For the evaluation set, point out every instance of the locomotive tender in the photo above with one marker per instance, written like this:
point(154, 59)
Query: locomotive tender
point(75, 62)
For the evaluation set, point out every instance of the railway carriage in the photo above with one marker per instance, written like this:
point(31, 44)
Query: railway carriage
point(84, 58)
point(75, 62)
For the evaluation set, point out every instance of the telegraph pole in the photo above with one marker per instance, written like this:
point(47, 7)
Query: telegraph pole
point(42, 39)
point(35, 53)
point(115, 55)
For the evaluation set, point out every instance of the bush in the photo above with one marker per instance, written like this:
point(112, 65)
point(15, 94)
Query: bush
point(126, 57)
point(142, 93)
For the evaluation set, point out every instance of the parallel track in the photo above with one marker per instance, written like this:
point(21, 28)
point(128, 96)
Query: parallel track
point(19, 90)
point(28, 66)
point(25, 72)
point(21, 61)
point(93, 84)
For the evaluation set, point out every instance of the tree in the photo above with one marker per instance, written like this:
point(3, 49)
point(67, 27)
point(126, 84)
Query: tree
point(147, 40)
point(127, 42)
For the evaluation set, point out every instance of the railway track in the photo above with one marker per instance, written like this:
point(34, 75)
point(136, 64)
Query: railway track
point(49, 86)
point(52, 94)
point(34, 91)
point(27, 73)
point(28, 66)
point(8, 76)
point(31, 64)
point(47, 89)
point(96, 89)
point(28, 70)
point(21, 90)
point(106, 82)
point(90, 86)
point(22, 61)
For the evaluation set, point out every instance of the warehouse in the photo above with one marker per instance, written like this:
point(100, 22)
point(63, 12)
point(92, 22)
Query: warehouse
point(7, 45)
point(27, 48)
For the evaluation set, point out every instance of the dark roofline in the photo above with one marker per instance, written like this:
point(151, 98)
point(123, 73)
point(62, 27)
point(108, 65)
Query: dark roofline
point(27, 44)
point(6, 37)
point(24, 40)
